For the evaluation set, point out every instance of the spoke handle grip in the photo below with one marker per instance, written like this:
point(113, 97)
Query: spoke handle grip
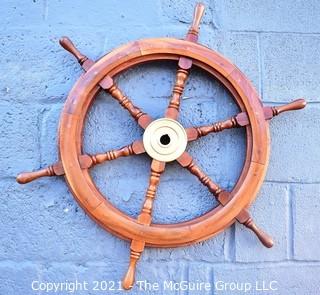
point(129, 278)
point(68, 45)
point(292, 106)
point(197, 16)
point(136, 249)
point(27, 177)
point(264, 238)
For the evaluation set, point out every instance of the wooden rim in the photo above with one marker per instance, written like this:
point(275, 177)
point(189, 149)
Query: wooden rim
point(80, 181)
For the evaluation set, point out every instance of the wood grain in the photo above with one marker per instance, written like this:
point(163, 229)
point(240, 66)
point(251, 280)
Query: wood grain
point(174, 104)
point(184, 66)
point(223, 197)
point(83, 60)
point(145, 217)
point(108, 84)
point(98, 207)
point(52, 170)
point(142, 118)
point(194, 29)
point(186, 161)
point(241, 119)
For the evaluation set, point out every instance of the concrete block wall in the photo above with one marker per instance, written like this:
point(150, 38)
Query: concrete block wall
point(46, 237)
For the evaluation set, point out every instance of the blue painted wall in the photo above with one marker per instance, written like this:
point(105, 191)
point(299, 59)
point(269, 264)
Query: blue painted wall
point(46, 237)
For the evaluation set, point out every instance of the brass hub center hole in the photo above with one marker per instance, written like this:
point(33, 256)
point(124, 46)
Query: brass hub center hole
point(165, 139)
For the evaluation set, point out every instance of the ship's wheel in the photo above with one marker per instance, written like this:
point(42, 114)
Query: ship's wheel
point(164, 140)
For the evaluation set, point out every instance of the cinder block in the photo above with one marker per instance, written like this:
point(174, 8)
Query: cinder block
point(48, 137)
point(275, 16)
point(201, 86)
point(166, 274)
point(19, 14)
point(207, 36)
point(285, 279)
point(200, 276)
point(109, 126)
point(178, 201)
point(101, 277)
point(242, 50)
point(290, 66)
point(111, 14)
point(148, 77)
point(182, 11)
point(306, 230)
point(220, 155)
point(19, 138)
point(156, 79)
point(270, 212)
point(181, 201)
point(175, 201)
point(16, 278)
point(115, 38)
point(43, 222)
point(124, 191)
point(151, 80)
point(212, 250)
point(41, 67)
point(295, 155)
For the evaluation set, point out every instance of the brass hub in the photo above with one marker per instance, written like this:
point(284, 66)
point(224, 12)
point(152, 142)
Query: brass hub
point(165, 140)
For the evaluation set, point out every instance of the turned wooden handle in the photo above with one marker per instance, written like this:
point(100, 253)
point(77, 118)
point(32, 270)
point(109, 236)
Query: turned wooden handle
point(135, 253)
point(26, 177)
point(68, 45)
point(292, 106)
point(197, 16)
point(129, 278)
point(264, 238)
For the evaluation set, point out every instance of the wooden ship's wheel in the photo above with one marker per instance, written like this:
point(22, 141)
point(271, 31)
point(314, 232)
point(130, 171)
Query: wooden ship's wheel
point(164, 140)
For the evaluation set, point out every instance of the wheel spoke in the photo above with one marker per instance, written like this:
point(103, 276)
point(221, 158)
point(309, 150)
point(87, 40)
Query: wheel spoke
point(83, 60)
point(108, 84)
point(145, 217)
point(194, 133)
point(86, 161)
point(186, 161)
point(184, 66)
point(142, 118)
point(157, 169)
point(245, 218)
point(242, 119)
point(193, 32)
point(181, 78)
point(223, 197)
point(135, 148)
point(55, 169)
